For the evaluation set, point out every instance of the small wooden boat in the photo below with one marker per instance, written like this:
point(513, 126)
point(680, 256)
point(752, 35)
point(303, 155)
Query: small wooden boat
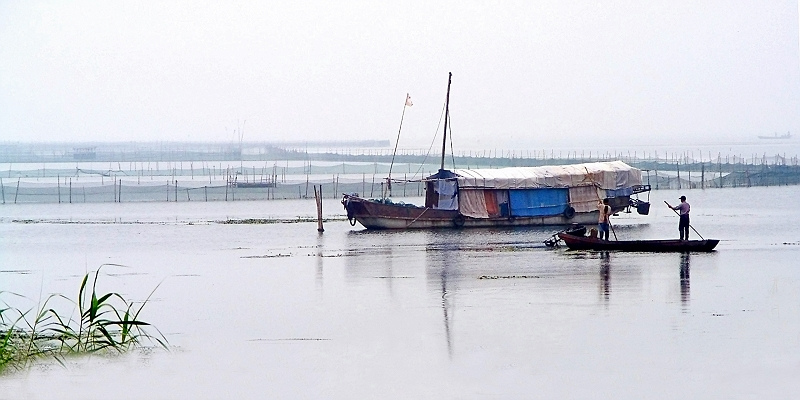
point(591, 243)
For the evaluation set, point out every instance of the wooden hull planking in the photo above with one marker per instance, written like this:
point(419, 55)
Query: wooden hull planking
point(375, 215)
point(669, 245)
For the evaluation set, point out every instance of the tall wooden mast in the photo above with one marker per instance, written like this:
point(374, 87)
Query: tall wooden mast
point(446, 117)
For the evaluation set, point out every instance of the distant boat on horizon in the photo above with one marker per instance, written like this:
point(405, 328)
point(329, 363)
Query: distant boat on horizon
point(788, 135)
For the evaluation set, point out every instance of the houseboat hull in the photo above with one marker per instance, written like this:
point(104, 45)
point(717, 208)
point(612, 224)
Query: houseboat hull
point(376, 215)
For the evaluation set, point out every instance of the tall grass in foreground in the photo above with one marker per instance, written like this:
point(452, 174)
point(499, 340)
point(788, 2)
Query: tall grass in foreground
point(105, 323)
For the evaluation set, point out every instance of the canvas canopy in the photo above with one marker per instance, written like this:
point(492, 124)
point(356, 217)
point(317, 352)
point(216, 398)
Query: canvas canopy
point(610, 175)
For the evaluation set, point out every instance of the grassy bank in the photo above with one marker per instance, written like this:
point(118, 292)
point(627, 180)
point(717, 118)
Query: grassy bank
point(99, 324)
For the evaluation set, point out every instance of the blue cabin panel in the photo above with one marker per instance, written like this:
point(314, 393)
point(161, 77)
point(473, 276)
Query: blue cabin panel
point(538, 202)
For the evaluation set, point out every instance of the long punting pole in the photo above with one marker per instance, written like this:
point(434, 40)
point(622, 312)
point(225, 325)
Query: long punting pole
point(690, 225)
point(446, 117)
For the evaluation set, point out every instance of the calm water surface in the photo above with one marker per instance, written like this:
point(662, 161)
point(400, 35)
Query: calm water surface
point(279, 311)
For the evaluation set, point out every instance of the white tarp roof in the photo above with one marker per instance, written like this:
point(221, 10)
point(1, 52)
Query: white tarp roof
point(605, 175)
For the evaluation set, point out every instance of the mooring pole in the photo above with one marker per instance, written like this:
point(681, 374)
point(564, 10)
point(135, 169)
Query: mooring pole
point(318, 198)
point(702, 176)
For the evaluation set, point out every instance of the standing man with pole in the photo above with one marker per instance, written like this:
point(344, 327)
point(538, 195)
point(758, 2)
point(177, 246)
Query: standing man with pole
point(683, 210)
point(604, 222)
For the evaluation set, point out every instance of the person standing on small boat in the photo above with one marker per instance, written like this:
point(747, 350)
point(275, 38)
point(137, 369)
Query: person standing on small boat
point(603, 222)
point(683, 225)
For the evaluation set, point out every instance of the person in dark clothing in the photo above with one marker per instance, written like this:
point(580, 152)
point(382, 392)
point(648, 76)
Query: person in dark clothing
point(683, 224)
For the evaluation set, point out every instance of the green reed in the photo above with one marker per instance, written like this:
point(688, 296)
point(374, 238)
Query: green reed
point(104, 323)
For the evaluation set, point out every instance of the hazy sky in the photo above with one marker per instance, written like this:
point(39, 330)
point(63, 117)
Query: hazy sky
point(525, 74)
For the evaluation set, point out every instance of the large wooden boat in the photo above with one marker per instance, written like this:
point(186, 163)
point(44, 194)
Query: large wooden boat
point(670, 245)
point(516, 196)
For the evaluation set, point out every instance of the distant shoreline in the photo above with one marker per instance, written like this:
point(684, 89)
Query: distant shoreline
point(381, 151)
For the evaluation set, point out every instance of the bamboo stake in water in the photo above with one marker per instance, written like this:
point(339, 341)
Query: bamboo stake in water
point(702, 176)
point(318, 198)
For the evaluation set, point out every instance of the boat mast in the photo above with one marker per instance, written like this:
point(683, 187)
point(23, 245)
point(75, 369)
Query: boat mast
point(446, 117)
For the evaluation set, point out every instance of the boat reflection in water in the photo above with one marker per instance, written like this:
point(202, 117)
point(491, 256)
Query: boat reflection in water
point(493, 286)
point(605, 275)
point(685, 280)
point(441, 265)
